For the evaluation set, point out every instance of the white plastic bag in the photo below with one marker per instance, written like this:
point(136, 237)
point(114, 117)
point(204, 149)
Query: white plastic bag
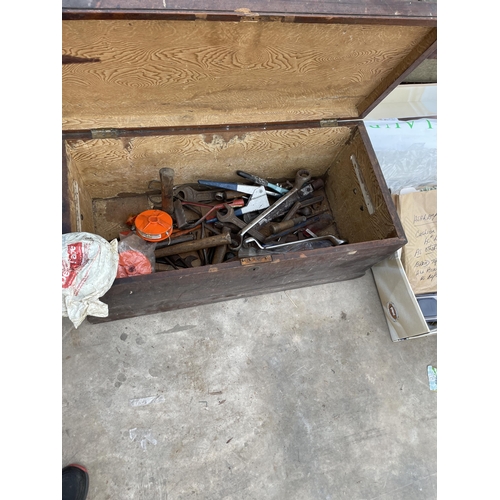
point(406, 151)
point(89, 265)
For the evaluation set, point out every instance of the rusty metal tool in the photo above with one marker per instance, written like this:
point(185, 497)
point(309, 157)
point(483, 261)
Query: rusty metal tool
point(310, 233)
point(320, 224)
point(229, 215)
point(301, 177)
point(187, 192)
point(179, 215)
point(159, 266)
point(190, 259)
point(258, 197)
point(291, 213)
point(303, 194)
point(262, 182)
point(302, 204)
point(174, 241)
point(181, 232)
point(167, 190)
point(221, 250)
point(210, 242)
point(211, 228)
point(322, 219)
point(203, 254)
point(235, 203)
point(278, 227)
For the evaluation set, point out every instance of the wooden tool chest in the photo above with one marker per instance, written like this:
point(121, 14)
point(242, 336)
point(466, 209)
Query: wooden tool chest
point(215, 88)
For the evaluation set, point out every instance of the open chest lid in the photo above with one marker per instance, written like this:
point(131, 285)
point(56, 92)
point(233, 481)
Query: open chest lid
point(134, 70)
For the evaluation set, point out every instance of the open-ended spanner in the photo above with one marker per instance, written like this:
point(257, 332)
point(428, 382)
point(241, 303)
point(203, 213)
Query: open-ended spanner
point(185, 192)
point(228, 215)
point(233, 203)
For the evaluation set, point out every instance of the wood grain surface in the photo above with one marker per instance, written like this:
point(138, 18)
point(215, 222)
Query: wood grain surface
point(79, 199)
point(66, 206)
point(111, 167)
point(111, 214)
point(347, 202)
point(180, 73)
point(168, 291)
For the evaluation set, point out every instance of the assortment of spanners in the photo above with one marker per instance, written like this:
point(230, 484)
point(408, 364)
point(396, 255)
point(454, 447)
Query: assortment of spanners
point(219, 221)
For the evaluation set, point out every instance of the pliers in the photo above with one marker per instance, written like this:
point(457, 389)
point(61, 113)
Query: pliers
point(258, 196)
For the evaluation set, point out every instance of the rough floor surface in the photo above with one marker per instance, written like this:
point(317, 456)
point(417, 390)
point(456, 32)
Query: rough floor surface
point(293, 395)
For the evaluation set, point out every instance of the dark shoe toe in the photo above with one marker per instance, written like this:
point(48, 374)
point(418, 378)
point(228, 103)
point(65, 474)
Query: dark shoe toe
point(75, 482)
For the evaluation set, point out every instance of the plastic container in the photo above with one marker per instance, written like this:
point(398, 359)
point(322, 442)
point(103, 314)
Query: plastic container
point(154, 225)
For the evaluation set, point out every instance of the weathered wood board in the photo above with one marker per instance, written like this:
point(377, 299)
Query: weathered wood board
point(161, 73)
point(112, 167)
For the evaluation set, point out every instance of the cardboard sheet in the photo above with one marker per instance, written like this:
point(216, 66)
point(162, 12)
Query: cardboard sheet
point(418, 213)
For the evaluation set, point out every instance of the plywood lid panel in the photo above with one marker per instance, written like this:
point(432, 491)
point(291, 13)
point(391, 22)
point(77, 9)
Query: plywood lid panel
point(163, 73)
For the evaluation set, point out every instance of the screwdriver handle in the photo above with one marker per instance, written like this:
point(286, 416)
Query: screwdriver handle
point(232, 186)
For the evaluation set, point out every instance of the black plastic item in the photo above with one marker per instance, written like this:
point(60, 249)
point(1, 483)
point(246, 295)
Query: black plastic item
point(75, 482)
point(428, 305)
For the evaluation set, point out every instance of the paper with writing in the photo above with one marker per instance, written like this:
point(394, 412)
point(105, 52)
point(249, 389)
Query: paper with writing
point(418, 213)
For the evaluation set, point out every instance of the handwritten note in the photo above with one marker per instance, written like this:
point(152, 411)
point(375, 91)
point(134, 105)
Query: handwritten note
point(418, 213)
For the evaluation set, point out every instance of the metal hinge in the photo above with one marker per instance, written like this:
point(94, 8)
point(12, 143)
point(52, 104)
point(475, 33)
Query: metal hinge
point(329, 123)
point(104, 133)
point(250, 19)
point(247, 15)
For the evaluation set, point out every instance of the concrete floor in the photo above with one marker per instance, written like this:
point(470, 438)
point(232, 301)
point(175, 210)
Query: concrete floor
point(293, 395)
